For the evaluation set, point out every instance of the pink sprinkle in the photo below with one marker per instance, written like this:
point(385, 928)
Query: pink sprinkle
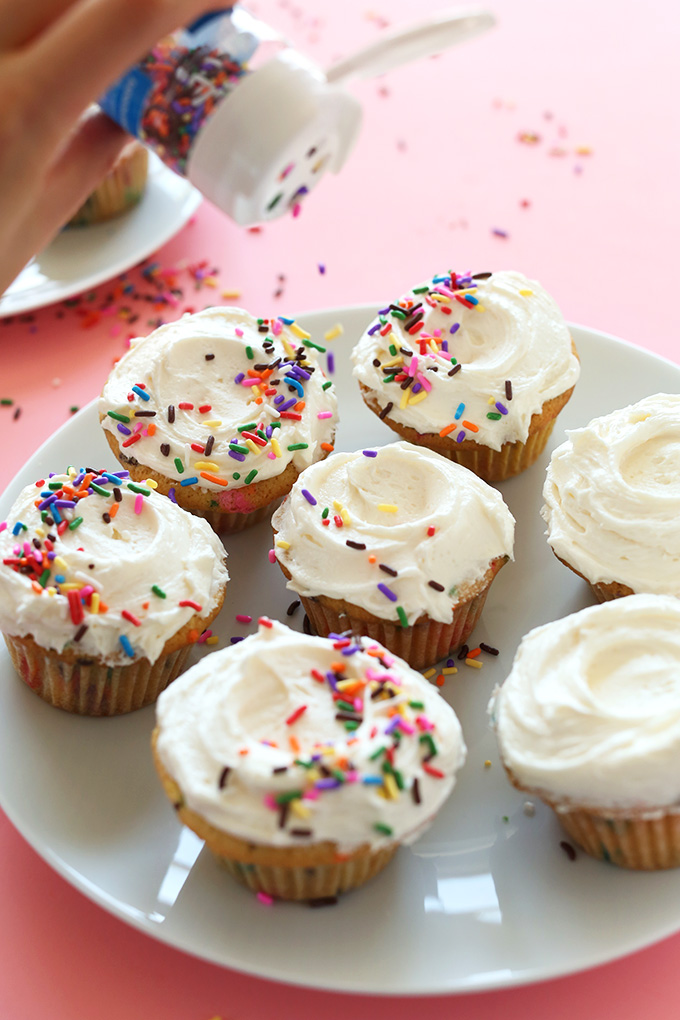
point(85, 591)
point(272, 556)
point(351, 777)
point(325, 414)
point(310, 794)
point(406, 727)
point(424, 723)
point(270, 802)
point(358, 705)
point(413, 367)
point(3, 525)
point(425, 383)
point(265, 898)
point(271, 455)
point(297, 209)
point(250, 382)
point(436, 332)
point(243, 618)
point(441, 289)
point(239, 332)
point(277, 327)
point(204, 637)
point(139, 503)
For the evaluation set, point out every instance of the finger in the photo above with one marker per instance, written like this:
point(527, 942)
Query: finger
point(89, 156)
point(22, 22)
point(92, 43)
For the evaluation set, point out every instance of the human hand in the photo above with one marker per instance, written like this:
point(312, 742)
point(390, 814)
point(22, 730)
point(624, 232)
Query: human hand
point(57, 57)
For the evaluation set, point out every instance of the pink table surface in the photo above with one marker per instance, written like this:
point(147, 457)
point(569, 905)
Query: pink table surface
point(549, 145)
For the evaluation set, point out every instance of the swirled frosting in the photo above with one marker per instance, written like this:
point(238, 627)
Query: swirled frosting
point(398, 527)
point(221, 399)
point(260, 747)
point(591, 709)
point(612, 497)
point(108, 568)
point(484, 354)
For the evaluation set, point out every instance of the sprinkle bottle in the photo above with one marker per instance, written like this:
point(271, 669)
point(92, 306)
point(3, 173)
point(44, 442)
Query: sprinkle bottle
point(250, 121)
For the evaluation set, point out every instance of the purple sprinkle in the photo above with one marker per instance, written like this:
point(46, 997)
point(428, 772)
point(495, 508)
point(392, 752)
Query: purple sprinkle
point(308, 496)
point(450, 662)
point(47, 502)
point(416, 388)
point(237, 456)
point(455, 327)
point(332, 680)
point(268, 431)
point(445, 345)
point(235, 640)
point(374, 329)
point(501, 407)
point(238, 378)
point(65, 502)
point(288, 404)
point(392, 724)
point(370, 453)
point(331, 362)
point(123, 428)
point(171, 495)
point(327, 784)
point(388, 592)
point(351, 650)
point(300, 373)
point(279, 399)
point(51, 556)
point(383, 311)
point(461, 436)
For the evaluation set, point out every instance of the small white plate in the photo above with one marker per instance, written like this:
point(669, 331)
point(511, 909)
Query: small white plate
point(83, 257)
point(486, 899)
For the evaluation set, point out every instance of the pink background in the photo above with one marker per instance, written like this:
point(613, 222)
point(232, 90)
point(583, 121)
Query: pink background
point(589, 208)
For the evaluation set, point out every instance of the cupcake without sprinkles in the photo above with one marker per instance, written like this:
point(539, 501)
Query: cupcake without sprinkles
point(104, 587)
point(222, 410)
point(612, 500)
point(305, 762)
point(589, 721)
point(476, 367)
point(397, 543)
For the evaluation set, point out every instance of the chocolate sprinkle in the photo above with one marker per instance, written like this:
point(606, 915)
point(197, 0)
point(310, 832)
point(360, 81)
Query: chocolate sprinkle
point(117, 494)
point(300, 832)
point(456, 368)
point(165, 449)
point(462, 654)
point(306, 625)
point(171, 413)
point(488, 648)
point(508, 389)
point(415, 790)
point(79, 633)
point(209, 443)
point(324, 901)
point(209, 357)
point(386, 410)
point(293, 607)
point(436, 585)
point(568, 849)
point(388, 570)
point(224, 775)
point(355, 545)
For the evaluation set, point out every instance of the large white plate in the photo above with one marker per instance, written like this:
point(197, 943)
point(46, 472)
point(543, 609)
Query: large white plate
point(485, 899)
point(84, 257)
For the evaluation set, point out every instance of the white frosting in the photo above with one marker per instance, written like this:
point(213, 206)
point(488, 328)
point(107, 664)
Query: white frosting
point(591, 709)
point(472, 527)
point(612, 495)
point(515, 333)
point(120, 561)
point(238, 700)
point(171, 366)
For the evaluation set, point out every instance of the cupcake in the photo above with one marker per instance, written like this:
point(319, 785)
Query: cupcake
point(104, 587)
point(222, 410)
point(121, 189)
point(612, 500)
point(476, 368)
point(589, 722)
point(397, 543)
point(305, 762)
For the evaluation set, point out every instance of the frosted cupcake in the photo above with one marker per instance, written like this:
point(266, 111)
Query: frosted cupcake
point(476, 368)
point(222, 410)
point(589, 721)
point(121, 189)
point(396, 543)
point(104, 587)
point(612, 500)
point(303, 762)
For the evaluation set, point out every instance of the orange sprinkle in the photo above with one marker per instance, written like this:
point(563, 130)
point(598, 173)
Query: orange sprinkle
point(372, 558)
point(103, 608)
point(244, 750)
point(258, 400)
point(113, 510)
point(151, 429)
point(470, 426)
point(294, 743)
point(449, 428)
point(194, 636)
point(36, 588)
point(474, 653)
point(300, 406)
point(145, 605)
point(440, 681)
point(214, 478)
point(327, 446)
point(375, 652)
point(338, 667)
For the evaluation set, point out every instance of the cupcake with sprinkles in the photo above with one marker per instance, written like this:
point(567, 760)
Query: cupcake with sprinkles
point(222, 410)
point(105, 585)
point(305, 762)
point(396, 543)
point(474, 366)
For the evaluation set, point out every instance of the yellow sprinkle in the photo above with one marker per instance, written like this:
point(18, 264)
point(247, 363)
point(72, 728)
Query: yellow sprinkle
point(71, 472)
point(253, 447)
point(231, 294)
point(275, 446)
point(474, 662)
point(583, 150)
point(59, 563)
point(526, 293)
point(346, 519)
point(418, 397)
point(334, 331)
point(395, 361)
point(480, 308)
point(298, 331)
point(337, 505)
point(206, 465)
point(299, 809)
point(449, 670)
point(213, 424)
point(94, 602)
point(151, 482)
point(467, 290)
point(388, 508)
point(487, 764)
point(51, 590)
point(212, 640)
point(391, 788)
point(282, 544)
point(40, 532)
point(444, 298)
point(290, 351)
point(404, 400)
point(428, 673)
point(71, 586)
point(433, 347)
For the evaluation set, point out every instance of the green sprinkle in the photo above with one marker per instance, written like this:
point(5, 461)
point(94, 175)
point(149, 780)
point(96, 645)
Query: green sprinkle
point(75, 523)
point(43, 515)
point(298, 446)
point(398, 315)
point(352, 724)
point(249, 353)
point(239, 449)
point(393, 350)
point(285, 798)
point(304, 764)
point(276, 424)
point(6, 402)
point(261, 433)
point(345, 706)
point(338, 774)
point(325, 512)
point(416, 704)
point(139, 488)
point(398, 778)
point(99, 489)
point(453, 361)
point(158, 591)
point(236, 475)
point(505, 818)
point(44, 577)
point(453, 591)
point(249, 477)
point(390, 378)
point(54, 485)
point(119, 417)
point(179, 465)
point(383, 829)
point(403, 619)
point(326, 385)
point(494, 415)
point(250, 425)
point(317, 347)
point(421, 290)
point(427, 739)
point(376, 754)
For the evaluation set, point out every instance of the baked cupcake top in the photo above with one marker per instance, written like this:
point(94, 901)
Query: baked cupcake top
point(400, 531)
point(612, 497)
point(468, 356)
point(286, 739)
point(220, 399)
point(591, 709)
point(97, 564)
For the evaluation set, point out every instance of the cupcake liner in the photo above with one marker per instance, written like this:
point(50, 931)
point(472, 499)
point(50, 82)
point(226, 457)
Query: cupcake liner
point(229, 523)
point(422, 644)
point(604, 591)
point(88, 687)
point(120, 190)
point(644, 843)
